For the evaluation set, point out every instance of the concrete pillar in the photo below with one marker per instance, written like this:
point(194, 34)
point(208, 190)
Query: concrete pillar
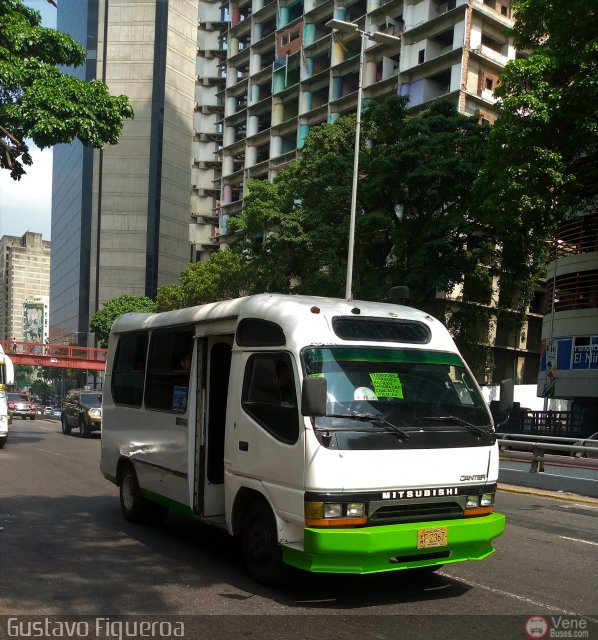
point(369, 73)
point(252, 125)
point(275, 146)
point(305, 102)
point(255, 63)
point(302, 132)
point(230, 106)
point(277, 113)
point(228, 136)
point(227, 165)
point(250, 156)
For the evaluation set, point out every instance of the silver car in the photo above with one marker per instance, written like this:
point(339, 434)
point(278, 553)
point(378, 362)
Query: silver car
point(591, 444)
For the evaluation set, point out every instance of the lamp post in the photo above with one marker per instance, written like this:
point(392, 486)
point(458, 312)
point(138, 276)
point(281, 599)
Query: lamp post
point(382, 38)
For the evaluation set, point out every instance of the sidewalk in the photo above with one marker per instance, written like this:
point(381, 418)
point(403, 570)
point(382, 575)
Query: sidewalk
point(556, 495)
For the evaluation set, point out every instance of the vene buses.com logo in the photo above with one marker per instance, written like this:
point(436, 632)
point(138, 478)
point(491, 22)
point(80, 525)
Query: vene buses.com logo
point(536, 627)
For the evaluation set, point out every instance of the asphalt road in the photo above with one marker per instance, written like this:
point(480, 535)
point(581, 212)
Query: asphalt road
point(66, 550)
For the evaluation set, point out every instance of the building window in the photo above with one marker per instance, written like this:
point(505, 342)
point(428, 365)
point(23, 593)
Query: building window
point(489, 84)
point(421, 56)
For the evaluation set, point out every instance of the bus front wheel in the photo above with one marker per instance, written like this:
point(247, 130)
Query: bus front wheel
point(261, 551)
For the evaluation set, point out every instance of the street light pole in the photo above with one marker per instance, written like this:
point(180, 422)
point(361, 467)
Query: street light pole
point(382, 38)
point(349, 281)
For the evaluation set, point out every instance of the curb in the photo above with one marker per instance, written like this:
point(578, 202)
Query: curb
point(556, 495)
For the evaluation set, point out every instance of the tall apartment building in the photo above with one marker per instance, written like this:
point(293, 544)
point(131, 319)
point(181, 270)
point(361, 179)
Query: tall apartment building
point(24, 287)
point(269, 71)
point(120, 216)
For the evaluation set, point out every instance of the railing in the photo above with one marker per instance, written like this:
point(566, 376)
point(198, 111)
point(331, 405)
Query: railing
point(544, 423)
point(71, 352)
point(586, 455)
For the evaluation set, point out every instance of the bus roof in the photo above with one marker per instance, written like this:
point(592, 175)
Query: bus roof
point(292, 312)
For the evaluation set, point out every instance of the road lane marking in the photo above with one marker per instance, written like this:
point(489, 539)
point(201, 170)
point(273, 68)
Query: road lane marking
point(500, 592)
point(52, 452)
point(579, 540)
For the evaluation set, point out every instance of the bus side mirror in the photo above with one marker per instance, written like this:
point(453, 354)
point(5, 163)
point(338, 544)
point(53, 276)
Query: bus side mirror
point(501, 410)
point(313, 397)
point(506, 396)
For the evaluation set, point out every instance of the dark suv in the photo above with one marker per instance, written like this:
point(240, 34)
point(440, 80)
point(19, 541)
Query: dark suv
point(82, 409)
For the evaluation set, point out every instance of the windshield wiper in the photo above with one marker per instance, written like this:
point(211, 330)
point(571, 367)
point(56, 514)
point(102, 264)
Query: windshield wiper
point(458, 422)
point(365, 417)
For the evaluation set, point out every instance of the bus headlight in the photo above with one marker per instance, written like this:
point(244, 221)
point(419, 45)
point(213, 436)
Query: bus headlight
point(335, 514)
point(487, 500)
point(479, 505)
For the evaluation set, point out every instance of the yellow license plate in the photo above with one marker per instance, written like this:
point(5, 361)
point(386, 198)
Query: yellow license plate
point(430, 538)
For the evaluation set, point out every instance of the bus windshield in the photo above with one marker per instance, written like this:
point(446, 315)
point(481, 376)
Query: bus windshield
point(410, 390)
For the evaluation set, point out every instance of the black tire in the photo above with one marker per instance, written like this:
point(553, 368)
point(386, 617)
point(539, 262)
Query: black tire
point(261, 551)
point(32, 417)
point(84, 431)
point(135, 507)
point(2, 442)
point(65, 427)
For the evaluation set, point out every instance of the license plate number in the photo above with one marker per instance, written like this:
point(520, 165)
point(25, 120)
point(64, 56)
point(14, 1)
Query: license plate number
point(430, 538)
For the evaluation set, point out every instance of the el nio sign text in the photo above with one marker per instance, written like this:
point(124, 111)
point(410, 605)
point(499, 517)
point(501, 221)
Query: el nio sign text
point(101, 627)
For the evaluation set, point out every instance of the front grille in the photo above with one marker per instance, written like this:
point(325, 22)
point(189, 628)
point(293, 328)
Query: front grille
point(416, 512)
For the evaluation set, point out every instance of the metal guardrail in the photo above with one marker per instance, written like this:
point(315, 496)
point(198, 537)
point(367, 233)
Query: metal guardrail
point(538, 445)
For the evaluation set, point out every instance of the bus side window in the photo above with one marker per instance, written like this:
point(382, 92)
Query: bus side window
point(128, 371)
point(167, 376)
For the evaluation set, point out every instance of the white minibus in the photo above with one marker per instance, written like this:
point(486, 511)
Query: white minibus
point(6, 378)
point(329, 435)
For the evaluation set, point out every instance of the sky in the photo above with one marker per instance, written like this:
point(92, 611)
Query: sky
point(26, 205)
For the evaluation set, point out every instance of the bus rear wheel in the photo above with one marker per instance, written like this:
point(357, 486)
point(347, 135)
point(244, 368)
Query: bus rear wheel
point(261, 551)
point(134, 506)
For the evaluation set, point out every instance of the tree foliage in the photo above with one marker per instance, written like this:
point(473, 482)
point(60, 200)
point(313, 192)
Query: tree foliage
point(414, 225)
point(103, 319)
point(221, 277)
point(542, 163)
point(39, 101)
point(41, 389)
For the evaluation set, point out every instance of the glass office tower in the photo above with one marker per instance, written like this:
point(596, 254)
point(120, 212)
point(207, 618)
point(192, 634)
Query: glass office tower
point(120, 216)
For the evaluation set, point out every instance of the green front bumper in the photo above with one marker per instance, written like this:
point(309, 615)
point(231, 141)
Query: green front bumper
point(393, 547)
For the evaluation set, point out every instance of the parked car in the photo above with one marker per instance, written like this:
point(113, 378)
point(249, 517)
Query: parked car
point(589, 442)
point(20, 405)
point(82, 409)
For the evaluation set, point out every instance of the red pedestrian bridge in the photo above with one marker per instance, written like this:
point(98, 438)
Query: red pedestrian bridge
point(55, 355)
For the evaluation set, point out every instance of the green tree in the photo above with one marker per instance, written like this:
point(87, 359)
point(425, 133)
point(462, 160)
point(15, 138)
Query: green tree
point(41, 389)
point(542, 163)
point(102, 320)
point(221, 277)
point(23, 375)
point(39, 101)
point(414, 225)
